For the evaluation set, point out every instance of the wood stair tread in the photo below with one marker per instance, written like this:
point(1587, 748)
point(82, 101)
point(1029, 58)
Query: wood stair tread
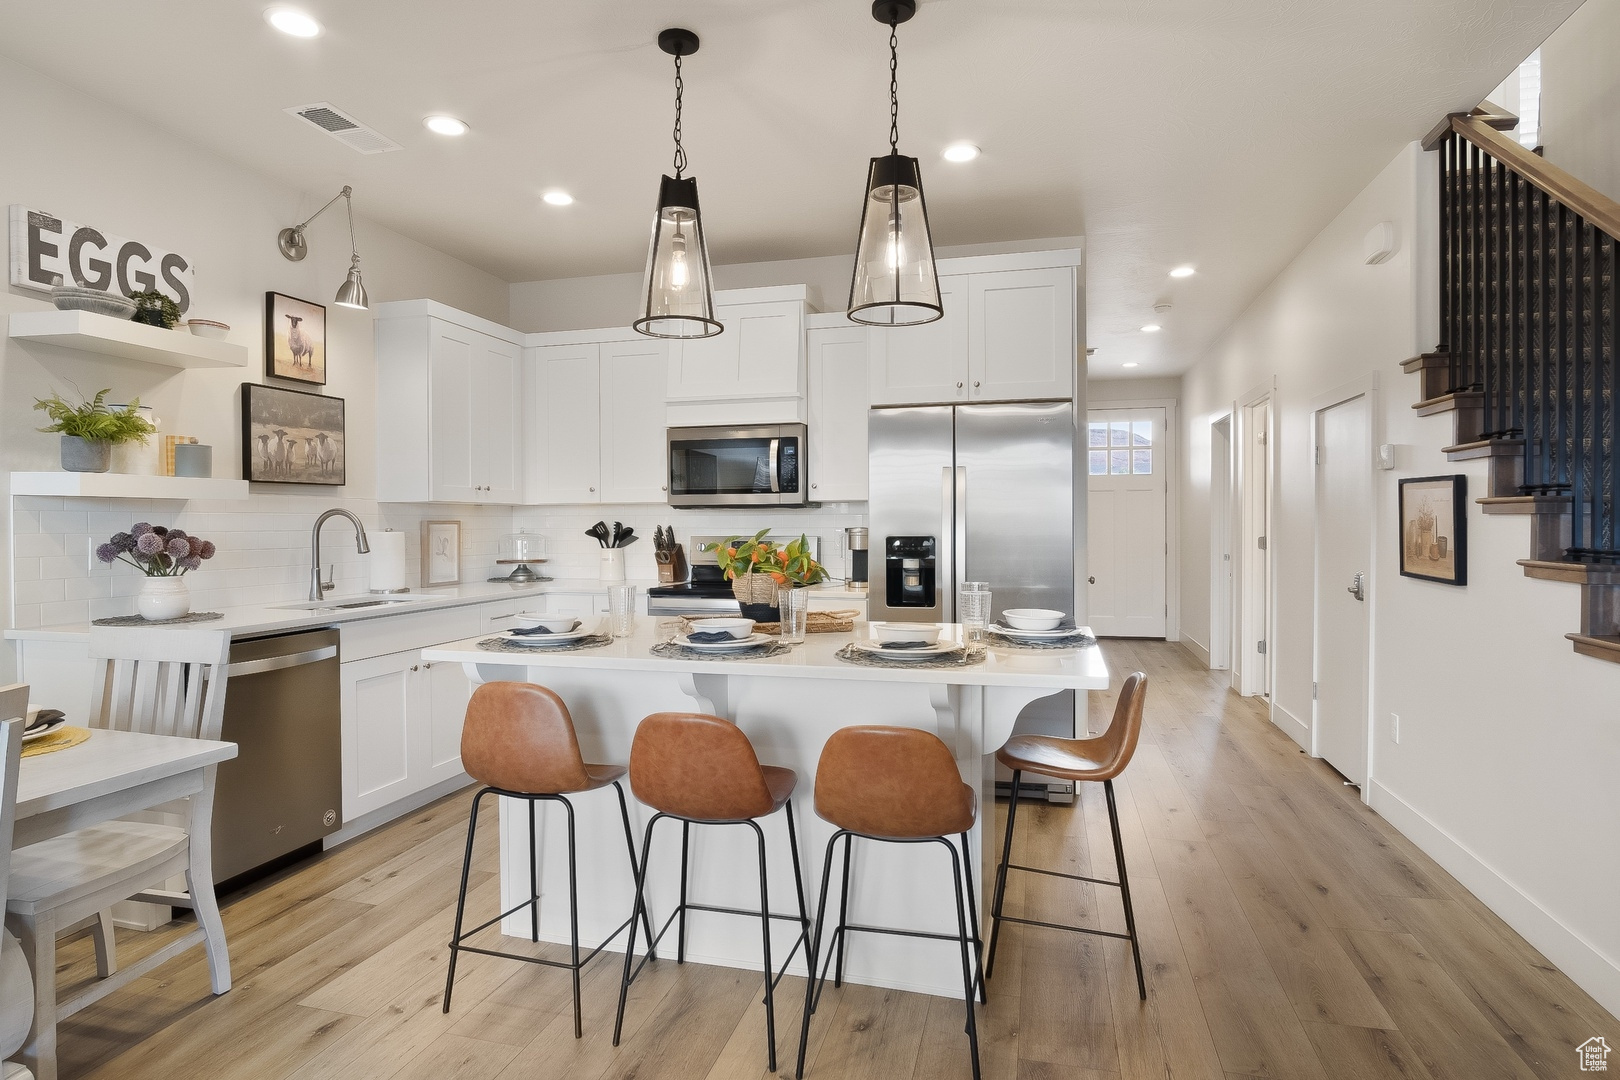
point(1484, 448)
point(1524, 504)
point(1599, 648)
point(1427, 360)
point(1460, 399)
point(1581, 573)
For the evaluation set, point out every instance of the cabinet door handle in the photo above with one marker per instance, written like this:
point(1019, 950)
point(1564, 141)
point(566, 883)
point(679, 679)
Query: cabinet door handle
point(427, 667)
point(814, 486)
point(975, 384)
point(959, 386)
point(416, 667)
point(591, 489)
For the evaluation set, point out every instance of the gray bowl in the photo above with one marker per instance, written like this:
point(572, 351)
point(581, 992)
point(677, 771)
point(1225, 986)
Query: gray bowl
point(76, 298)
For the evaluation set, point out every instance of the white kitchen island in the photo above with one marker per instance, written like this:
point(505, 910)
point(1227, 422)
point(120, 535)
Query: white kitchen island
point(788, 706)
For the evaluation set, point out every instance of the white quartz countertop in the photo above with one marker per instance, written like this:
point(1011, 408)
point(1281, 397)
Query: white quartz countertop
point(1067, 669)
point(298, 614)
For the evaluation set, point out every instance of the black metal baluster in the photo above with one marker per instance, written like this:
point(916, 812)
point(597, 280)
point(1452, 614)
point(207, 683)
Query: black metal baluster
point(1577, 347)
point(1610, 481)
point(1447, 148)
point(1537, 462)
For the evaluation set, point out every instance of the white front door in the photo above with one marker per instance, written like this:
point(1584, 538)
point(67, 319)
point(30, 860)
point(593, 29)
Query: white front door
point(1343, 573)
point(1125, 512)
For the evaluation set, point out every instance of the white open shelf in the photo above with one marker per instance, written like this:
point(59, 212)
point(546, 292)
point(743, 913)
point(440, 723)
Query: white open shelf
point(126, 486)
point(103, 334)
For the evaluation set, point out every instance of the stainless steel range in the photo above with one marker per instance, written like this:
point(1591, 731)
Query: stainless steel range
point(708, 592)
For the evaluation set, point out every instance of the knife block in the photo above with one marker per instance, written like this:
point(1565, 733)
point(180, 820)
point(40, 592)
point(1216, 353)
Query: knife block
point(672, 568)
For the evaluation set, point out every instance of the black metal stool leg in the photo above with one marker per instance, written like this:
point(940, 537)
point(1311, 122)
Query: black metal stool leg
point(461, 898)
point(765, 926)
point(573, 914)
point(812, 985)
point(967, 964)
point(798, 885)
point(630, 842)
point(680, 931)
point(973, 921)
point(534, 881)
point(1001, 877)
point(1125, 888)
point(843, 912)
point(640, 909)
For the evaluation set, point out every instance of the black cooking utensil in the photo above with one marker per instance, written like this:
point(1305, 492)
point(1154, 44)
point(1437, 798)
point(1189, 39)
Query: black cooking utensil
point(600, 531)
point(627, 537)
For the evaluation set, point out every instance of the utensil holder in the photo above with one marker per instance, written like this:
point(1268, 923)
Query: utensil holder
point(612, 565)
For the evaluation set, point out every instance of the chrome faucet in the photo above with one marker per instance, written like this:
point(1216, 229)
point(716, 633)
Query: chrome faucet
point(317, 587)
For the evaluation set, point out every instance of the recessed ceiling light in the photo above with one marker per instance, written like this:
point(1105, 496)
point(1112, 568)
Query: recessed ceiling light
point(1152, 328)
point(558, 198)
point(292, 21)
point(445, 125)
point(1183, 271)
point(961, 151)
point(1128, 363)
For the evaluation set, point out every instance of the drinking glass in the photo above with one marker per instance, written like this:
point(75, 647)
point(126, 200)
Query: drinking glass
point(621, 610)
point(973, 608)
point(794, 605)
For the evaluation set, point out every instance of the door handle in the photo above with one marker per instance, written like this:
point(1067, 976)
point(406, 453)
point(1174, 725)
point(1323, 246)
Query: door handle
point(277, 663)
point(775, 483)
point(960, 560)
point(1091, 581)
point(1356, 588)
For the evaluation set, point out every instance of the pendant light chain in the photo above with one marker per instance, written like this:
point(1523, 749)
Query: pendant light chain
point(680, 151)
point(894, 87)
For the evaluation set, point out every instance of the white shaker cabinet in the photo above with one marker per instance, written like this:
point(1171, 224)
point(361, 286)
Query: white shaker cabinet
point(1021, 334)
point(927, 364)
point(449, 401)
point(758, 360)
point(403, 728)
point(837, 364)
point(632, 401)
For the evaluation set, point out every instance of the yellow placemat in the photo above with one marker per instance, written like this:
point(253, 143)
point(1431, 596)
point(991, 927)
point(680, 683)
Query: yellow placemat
point(60, 739)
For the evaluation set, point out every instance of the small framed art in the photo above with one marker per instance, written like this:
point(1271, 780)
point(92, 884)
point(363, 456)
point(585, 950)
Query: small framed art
point(441, 553)
point(294, 339)
point(292, 437)
point(1434, 528)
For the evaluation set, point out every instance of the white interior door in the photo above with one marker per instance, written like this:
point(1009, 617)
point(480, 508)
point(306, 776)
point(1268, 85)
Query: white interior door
point(1343, 573)
point(1254, 645)
point(1220, 545)
point(1125, 522)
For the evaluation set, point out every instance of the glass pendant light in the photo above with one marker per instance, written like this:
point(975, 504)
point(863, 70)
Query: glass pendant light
point(894, 283)
point(678, 292)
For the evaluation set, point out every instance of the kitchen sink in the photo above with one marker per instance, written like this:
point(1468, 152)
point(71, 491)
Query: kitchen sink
point(347, 605)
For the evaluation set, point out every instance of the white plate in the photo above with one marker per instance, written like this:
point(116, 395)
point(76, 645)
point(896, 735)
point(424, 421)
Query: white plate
point(927, 652)
point(1007, 631)
point(42, 732)
point(540, 641)
point(750, 642)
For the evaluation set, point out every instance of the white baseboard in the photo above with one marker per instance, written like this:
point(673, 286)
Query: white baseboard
point(366, 822)
point(1200, 652)
point(1592, 971)
point(1292, 726)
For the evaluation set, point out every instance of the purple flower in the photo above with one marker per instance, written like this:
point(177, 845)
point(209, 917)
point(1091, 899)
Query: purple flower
point(107, 552)
point(123, 542)
point(178, 547)
point(196, 545)
point(177, 532)
point(207, 550)
point(190, 562)
point(139, 529)
point(160, 530)
point(148, 543)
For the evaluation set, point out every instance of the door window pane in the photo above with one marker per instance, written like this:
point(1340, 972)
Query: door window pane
point(1142, 462)
point(1099, 462)
point(1119, 433)
point(1142, 432)
point(1098, 434)
point(1119, 462)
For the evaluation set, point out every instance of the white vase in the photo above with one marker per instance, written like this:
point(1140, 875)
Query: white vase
point(163, 598)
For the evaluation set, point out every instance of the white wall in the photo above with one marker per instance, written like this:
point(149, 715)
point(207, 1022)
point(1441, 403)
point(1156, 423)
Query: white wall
point(83, 159)
point(1101, 391)
point(1580, 96)
point(1504, 772)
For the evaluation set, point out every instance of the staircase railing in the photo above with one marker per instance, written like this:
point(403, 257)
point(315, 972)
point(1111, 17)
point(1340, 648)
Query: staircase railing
point(1529, 301)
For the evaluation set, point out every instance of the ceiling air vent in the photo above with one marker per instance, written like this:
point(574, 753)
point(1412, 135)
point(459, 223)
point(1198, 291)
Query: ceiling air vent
point(344, 128)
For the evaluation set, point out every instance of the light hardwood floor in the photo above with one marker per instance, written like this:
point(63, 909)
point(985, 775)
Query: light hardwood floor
point(1288, 933)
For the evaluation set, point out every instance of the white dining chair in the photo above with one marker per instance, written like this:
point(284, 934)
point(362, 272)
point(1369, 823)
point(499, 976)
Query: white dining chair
point(167, 681)
point(16, 984)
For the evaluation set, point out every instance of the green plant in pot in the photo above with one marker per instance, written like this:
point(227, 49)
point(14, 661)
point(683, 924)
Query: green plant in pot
point(91, 428)
point(155, 309)
point(757, 568)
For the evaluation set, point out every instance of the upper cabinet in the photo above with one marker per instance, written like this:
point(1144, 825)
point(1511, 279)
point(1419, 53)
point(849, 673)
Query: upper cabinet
point(449, 400)
point(595, 418)
point(1007, 335)
point(753, 372)
point(838, 359)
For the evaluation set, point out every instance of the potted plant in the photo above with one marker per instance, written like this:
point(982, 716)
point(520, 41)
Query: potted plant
point(90, 428)
point(164, 556)
point(155, 309)
point(757, 568)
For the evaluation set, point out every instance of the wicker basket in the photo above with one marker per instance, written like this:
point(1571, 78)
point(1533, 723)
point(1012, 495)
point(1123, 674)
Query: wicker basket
point(755, 589)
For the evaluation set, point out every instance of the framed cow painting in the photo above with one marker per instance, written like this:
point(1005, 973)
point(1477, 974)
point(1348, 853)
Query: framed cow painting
point(292, 437)
point(294, 339)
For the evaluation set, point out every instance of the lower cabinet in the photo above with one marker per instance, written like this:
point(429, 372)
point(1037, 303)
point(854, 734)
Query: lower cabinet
point(401, 728)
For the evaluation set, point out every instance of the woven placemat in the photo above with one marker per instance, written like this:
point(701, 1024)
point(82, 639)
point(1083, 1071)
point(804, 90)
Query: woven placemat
point(60, 739)
point(507, 645)
point(671, 651)
point(849, 654)
point(1079, 641)
point(141, 620)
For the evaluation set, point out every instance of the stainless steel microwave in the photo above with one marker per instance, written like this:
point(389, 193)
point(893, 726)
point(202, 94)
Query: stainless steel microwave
point(737, 466)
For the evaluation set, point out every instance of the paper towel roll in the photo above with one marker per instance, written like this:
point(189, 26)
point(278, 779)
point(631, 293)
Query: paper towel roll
point(386, 563)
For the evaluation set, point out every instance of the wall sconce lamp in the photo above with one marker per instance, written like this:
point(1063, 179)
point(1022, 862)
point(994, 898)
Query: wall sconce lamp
point(352, 293)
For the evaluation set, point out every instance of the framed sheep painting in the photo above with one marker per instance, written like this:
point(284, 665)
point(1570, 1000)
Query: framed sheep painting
point(292, 437)
point(294, 339)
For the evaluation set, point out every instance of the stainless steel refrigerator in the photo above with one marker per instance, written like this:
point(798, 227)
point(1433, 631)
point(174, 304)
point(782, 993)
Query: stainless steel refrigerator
point(977, 493)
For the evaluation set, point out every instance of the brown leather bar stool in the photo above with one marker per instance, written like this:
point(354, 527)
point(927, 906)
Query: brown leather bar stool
point(702, 770)
point(519, 742)
point(1101, 758)
point(900, 786)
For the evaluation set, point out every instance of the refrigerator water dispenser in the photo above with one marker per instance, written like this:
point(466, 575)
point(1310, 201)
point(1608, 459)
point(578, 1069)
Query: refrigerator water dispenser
point(909, 571)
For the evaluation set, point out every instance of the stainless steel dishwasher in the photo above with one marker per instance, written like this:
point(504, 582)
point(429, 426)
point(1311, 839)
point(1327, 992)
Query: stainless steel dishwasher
point(283, 791)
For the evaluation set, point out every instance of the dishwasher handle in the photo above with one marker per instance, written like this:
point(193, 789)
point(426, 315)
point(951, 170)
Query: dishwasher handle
point(277, 663)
